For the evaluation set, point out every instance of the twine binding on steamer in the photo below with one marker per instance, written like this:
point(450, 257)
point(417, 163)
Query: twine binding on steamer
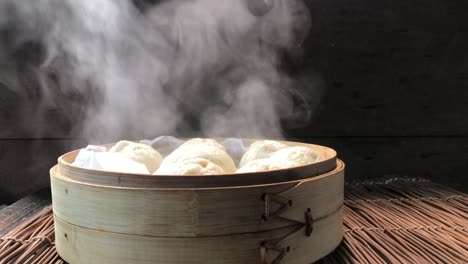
point(273, 245)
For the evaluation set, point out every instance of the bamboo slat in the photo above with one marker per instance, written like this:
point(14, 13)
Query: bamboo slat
point(407, 220)
point(101, 218)
point(192, 213)
point(326, 162)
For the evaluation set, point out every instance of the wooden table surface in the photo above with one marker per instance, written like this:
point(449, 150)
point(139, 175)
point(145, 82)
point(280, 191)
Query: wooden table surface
point(13, 215)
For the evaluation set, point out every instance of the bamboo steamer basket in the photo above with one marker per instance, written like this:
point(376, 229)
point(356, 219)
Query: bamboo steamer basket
point(289, 216)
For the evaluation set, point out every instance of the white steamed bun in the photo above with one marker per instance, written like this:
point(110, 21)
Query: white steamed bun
point(297, 155)
point(281, 159)
point(265, 165)
point(204, 149)
point(140, 153)
point(194, 142)
point(193, 166)
point(261, 150)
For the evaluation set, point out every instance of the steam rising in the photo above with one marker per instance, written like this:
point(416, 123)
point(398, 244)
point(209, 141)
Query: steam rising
point(195, 66)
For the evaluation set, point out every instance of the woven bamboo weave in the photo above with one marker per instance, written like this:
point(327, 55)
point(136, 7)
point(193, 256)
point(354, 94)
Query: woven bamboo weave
point(388, 221)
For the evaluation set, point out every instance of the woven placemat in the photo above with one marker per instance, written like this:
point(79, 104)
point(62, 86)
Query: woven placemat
point(387, 221)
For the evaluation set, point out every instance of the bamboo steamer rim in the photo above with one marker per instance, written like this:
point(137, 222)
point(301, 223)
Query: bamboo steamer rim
point(340, 166)
point(327, 162)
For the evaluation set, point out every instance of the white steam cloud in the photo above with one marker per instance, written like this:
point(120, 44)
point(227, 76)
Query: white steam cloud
point(176, 67)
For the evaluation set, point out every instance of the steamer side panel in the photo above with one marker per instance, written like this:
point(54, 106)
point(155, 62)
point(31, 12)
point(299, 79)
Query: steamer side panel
point(192, 213)
point(98, 221)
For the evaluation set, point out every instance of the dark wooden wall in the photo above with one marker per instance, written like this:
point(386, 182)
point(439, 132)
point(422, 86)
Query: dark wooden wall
point(395, 103)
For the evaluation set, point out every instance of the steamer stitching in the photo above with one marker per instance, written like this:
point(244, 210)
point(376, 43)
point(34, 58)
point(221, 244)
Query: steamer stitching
point(285, 203)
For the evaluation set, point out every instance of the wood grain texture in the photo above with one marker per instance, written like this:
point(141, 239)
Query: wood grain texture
point(383, 88)
point(23, 117)
point(442, 160)
point(395, 70)
point(80, 245)
point(25, 165)
point(391, 69)
point(108, 224)
point(379, 199)
point(191, 212)
point(325, 162)
point(15, 214)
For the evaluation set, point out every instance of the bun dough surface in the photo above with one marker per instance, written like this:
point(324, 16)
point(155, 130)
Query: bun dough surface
point(265, 165)
point(194, 142)
point(195, 150)
point(261, 150)
point(283, 158)
point(297, 155)
point(194, 166)
point(140, 153)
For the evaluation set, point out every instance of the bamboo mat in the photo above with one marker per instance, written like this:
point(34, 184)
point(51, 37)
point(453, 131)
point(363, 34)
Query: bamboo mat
point(388, 221)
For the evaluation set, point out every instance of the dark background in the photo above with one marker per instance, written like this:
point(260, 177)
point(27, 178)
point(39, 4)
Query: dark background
point(395, 103)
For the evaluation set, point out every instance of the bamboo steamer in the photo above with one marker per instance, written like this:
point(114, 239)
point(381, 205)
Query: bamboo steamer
point(289, 216)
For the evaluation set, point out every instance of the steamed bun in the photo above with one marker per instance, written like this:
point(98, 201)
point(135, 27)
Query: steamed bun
point(261, 150)
point(194, 142)
point(140, 153)
point(281, 159)
point(199, 149)
point(265, 165)
point(297, 155)
point(194, 166)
